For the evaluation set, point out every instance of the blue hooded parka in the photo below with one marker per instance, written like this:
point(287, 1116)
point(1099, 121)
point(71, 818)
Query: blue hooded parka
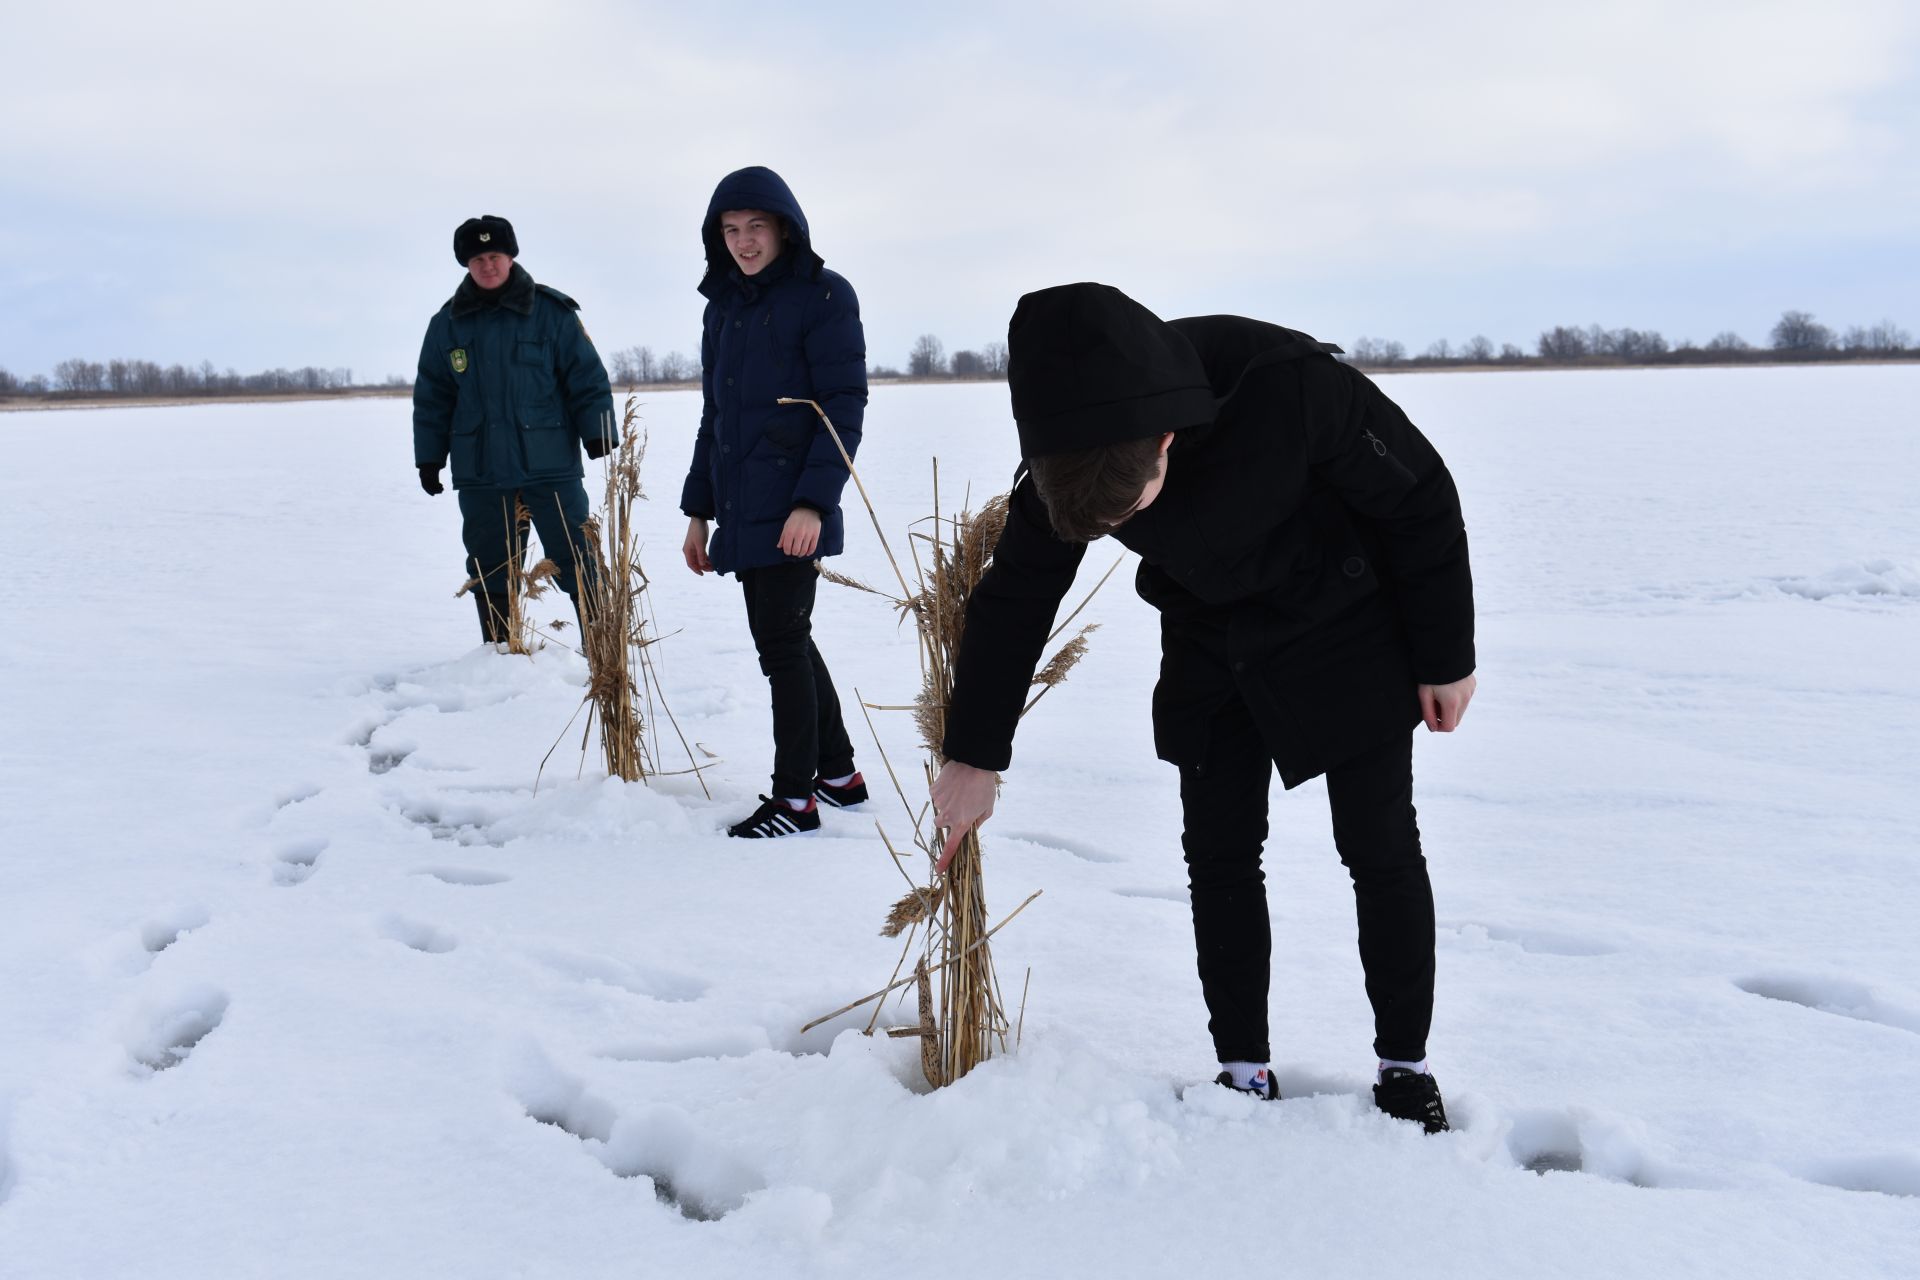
point(791, 330)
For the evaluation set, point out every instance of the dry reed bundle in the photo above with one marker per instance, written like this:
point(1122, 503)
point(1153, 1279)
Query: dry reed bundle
point(965, 1022)
point(522, 584)
point(618, 632)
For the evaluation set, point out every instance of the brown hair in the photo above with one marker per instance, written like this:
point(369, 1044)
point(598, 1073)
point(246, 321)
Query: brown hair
point(1088, 491)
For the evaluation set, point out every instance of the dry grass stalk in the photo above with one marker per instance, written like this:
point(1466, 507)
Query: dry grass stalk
point(522, 586)
point(617, 625)
point(967, 1022)
point(915, 908)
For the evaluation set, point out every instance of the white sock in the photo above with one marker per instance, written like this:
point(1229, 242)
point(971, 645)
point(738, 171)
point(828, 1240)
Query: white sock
point(796, 805)
point(1418, 1068)
point(1244, 1072)
point(841, 782)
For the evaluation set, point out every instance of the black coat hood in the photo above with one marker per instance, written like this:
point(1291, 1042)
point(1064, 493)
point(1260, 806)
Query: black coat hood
point(755, 187)
point(1088, 366)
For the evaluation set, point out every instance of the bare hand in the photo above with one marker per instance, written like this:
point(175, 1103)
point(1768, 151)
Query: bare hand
point(695, 547)
point(963, 799)
point(801, 535)
point(1443, 706)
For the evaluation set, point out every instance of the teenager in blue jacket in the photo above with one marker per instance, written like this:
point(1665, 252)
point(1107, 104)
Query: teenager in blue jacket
point(763, 492)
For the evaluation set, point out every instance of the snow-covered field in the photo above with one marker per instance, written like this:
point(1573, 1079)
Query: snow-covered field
point(300, 977)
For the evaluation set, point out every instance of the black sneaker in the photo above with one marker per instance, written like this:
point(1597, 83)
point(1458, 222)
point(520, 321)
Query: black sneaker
point(855, 792)
point(777, 818)
point(1264, 1086)
point(1411, 1095)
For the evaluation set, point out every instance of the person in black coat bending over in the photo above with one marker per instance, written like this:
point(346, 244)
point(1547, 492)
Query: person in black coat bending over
point(1304, 545)
point(778, 325)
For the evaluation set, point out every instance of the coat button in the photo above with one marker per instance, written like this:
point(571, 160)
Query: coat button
point(729, 381)
point(736, 324)
point(726, 448)
point(729, 506)
point(1353, 566)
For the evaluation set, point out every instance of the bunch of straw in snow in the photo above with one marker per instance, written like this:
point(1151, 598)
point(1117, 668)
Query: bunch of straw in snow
point(509, 613)
point(962, 1017)
point(618, 633)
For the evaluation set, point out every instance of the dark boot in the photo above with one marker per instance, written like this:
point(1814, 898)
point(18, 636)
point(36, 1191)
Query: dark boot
point(1411, 1095)
point(493, 617)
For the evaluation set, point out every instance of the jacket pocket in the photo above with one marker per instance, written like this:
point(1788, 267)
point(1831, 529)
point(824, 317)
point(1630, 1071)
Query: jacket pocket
point(550, 450)
point(466, 448)
point(767, 483)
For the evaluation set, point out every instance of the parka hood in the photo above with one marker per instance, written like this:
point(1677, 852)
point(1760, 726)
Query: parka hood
point(755, 187)
point(1087, 366)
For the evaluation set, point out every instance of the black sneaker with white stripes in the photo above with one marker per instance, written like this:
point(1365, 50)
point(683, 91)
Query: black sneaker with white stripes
point(844, 797)
point(1411, 1095)
point(777, 818)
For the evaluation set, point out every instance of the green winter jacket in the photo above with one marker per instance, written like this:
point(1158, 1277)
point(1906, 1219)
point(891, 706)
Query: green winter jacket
point(509, 387)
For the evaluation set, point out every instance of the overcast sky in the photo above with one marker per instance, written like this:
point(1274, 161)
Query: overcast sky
point(277, 185)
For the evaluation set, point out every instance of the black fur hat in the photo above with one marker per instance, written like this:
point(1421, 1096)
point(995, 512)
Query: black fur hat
point(484, 234)
point(1088, 366)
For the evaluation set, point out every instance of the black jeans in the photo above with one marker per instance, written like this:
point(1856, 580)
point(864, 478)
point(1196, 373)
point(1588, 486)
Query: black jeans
point(809, 737)
point(1224, 799)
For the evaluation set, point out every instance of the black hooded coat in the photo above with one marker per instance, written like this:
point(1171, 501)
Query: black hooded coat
point(790, 330)
point(1306, 553)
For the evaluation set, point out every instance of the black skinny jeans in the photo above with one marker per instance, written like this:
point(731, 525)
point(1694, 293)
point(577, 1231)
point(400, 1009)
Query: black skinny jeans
point(1224, 798)
point(809, 738)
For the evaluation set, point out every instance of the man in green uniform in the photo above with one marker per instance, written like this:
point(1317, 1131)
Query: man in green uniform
point(511, 389)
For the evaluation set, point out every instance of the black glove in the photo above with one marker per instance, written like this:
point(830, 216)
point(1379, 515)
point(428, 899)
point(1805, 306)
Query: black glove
point(430, 479)
point(597, 447)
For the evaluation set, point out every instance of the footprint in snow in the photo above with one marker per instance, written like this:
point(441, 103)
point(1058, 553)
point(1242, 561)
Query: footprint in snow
point(641, 980)
point(699, 1179)
point(294, 862)
point(1533, 941)
point(361, 735)
point(442, 825)
point(1889, 1175)
point(1836, 996)
point(1060, 844)
point(464, 876)
point(1571, 1141)
point(163, 1040)
point(419, 936)
point(386, 759)
point(291, 796)
point(161, 932)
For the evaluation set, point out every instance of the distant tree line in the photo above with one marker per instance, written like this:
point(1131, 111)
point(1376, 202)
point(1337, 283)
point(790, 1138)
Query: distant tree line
point(631, 367)
point(1796, 337)
point(78, 378)
point(929, 359)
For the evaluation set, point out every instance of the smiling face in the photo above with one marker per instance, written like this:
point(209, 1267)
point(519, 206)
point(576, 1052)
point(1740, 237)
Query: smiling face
point(754, 237)
point(489, 270)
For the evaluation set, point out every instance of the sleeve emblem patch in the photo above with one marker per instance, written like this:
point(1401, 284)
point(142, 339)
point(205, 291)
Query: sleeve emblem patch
point(459, 358)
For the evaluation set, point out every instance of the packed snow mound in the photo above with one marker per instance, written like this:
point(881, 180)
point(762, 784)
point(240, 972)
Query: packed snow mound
point(1868, 579)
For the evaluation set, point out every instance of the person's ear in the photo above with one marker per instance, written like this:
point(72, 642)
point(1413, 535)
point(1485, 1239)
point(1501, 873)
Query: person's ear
point(1166, 442)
